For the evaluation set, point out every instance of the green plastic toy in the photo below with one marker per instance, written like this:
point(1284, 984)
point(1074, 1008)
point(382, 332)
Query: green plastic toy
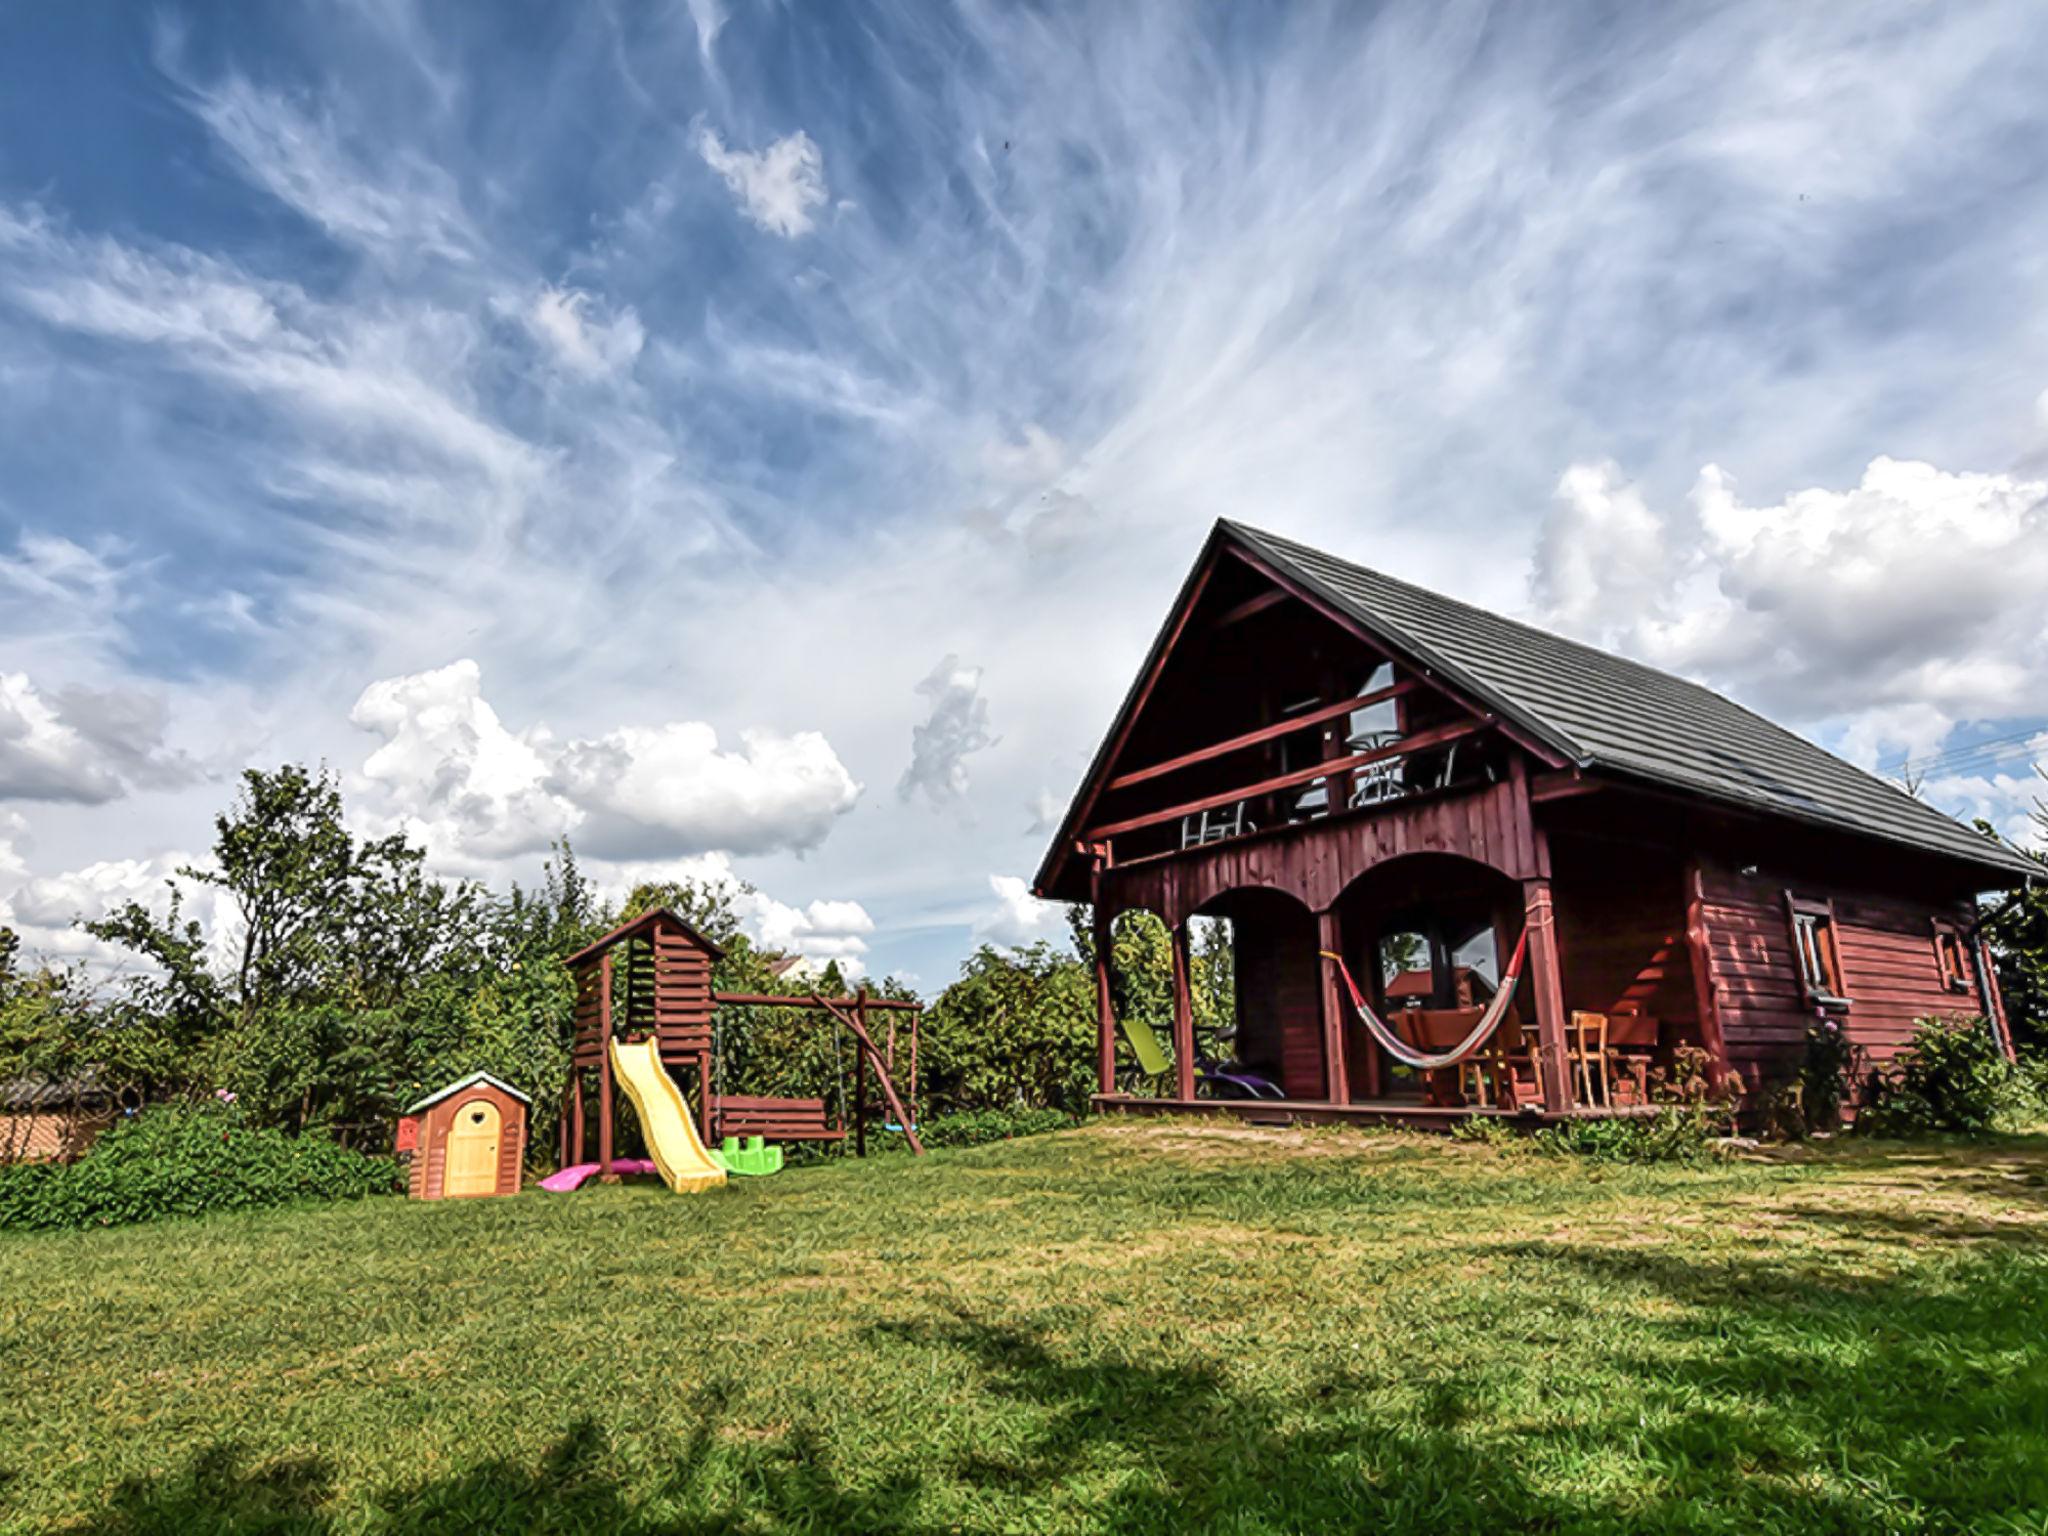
point(750, 1155)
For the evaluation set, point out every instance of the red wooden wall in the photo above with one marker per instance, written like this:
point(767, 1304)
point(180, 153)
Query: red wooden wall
point(1889, 968)
point(1621, 933)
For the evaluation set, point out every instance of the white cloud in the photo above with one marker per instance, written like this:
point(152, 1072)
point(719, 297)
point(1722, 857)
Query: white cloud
point(455, 778)
point(84, 745)
point(581, 336)
point(45, 909)
point(41, 758)
point(1019, 917)
point(670, 789)
point(777, 187)
point(953, 729)
point(1917, 589)
point(400, 207)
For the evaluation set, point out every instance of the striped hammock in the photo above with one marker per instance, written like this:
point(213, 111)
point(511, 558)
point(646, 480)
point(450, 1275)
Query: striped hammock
point(1422, 1061)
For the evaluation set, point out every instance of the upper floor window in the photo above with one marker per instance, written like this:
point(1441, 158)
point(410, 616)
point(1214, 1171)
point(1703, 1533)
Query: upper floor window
point(1820, 955)
point(1950, 955)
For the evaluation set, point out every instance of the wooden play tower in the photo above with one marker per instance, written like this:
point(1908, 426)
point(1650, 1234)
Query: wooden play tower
point(652, 976)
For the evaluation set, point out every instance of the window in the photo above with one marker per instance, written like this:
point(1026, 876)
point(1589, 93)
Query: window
point(1820, 957)
point(1950, 955)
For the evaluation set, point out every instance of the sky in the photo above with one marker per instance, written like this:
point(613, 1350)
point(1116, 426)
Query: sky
point(757, 441)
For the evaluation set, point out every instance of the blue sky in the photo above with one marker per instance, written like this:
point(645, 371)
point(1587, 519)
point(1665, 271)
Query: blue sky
point(760, 439)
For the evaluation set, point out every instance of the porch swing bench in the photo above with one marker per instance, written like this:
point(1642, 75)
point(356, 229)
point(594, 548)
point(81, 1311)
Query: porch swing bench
point(777, 1119)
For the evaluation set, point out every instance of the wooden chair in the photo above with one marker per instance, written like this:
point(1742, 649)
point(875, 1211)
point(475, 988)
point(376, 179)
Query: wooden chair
point(1631, 1043)
point(1586, 1041)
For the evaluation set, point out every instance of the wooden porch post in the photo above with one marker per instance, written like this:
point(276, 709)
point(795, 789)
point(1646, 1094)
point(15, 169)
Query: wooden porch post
point(1183, 1015)
point(1336, 1071)
point(1706, 998)
point(604, 1069)
point(1105, 1004)
point(1546, 980)
point(579, 1137)
point(860, 1080)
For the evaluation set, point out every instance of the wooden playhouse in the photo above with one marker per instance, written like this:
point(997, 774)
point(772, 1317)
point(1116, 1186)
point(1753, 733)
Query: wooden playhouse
point(467, 1139)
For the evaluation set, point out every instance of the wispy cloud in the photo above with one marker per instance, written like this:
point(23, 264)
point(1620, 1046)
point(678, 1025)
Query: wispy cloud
point(721, 368)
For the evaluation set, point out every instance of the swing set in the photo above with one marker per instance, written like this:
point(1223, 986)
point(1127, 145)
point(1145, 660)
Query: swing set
point(650, 979)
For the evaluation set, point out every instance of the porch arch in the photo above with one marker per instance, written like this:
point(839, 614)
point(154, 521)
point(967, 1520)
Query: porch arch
point(1277, 987)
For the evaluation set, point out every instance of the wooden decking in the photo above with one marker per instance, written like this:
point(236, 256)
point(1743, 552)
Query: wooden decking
point(1407, 1113)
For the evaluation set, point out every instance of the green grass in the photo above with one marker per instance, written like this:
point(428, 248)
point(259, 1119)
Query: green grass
point(1143, 1327)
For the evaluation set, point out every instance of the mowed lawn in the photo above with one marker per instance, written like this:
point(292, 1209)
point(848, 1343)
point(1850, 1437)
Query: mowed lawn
point(1129, 1326)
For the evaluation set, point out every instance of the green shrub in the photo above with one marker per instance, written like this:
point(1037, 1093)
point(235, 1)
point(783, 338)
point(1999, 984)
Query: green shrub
point(973, 1128)
point(1953, 1077)
point(1827, 1074)
point(1677, 1133)
point(1487, 1131)
point(184, 1162)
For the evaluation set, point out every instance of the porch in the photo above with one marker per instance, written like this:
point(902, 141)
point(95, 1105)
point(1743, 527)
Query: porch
point(1452, 917)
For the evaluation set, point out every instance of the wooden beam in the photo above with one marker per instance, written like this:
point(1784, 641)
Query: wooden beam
point(1421, 741)
point(1105, 997)
point(604, 1069)
point(804, 1000)
point(1250, 606)
point(1565, 784)
point(1336, 1070)
point(1263, 734)
point(1183, 1014)
point(1548, 984)
point(874, 1058)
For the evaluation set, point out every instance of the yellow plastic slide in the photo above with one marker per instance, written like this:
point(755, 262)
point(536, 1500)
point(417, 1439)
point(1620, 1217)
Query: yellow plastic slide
point(664, 1118)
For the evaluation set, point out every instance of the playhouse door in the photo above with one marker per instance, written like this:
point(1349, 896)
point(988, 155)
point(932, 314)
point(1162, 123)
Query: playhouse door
point(473, 1150)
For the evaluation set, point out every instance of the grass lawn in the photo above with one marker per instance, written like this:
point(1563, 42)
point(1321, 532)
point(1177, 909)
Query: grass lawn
point(1131, 1326)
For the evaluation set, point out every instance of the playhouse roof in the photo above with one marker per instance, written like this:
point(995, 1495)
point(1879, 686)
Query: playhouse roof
point(1598, 711)
point(471, 1081)
point(656, 918)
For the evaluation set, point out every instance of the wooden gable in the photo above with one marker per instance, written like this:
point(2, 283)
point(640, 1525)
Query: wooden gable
point(1259, 705)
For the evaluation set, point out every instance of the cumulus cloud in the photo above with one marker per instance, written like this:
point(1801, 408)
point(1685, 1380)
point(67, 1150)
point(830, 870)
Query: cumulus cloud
point(1915, 591)
point(1883, 615)
point(451, 774)
point(670, 789)
point(85, 745)
point(777, 187)
point(1019, 917)
point(45, 909)
point(953, 729)
point(582, 335)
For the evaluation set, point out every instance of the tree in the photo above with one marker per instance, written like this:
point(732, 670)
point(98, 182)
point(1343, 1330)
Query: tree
point(1016, 1031)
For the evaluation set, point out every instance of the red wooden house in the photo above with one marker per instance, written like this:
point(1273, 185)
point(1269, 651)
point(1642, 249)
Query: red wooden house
point(1340, 762)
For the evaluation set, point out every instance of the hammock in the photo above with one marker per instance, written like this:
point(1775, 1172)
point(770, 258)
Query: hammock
point(1402, 1051)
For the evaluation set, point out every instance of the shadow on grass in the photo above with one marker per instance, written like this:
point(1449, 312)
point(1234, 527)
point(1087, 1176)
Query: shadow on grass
point(1734, 1394)
point(1850, 1401)
point(578, 1485)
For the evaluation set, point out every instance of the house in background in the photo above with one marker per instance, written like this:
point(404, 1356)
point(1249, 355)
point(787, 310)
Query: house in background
point(52, 1119)
point(1339, 762)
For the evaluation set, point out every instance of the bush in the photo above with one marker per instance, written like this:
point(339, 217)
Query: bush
point(184, 1162)
point(1675, 1134)
point(976, 1127)
point(1826, 1076)
point(1953, 1077)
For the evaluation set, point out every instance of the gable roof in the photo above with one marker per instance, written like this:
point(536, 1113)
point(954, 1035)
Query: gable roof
point(474, 1079)
point(1603, 712)
point(652, 918)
